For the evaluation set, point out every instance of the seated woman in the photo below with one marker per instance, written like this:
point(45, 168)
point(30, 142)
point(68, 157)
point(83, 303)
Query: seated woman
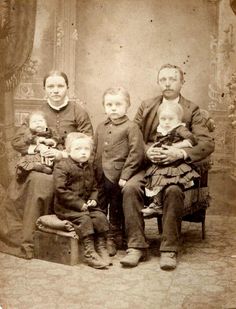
point(28, 200)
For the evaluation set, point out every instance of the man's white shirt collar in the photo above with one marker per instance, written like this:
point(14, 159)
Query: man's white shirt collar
point(176, 100)
point(57, 108)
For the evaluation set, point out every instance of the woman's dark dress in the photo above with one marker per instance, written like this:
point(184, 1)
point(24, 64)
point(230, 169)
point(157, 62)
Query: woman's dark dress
point(25, 202)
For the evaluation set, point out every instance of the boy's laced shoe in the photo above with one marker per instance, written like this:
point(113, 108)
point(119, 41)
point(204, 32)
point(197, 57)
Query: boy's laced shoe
point(111, 246)
point(91, 256)
point(101, 248)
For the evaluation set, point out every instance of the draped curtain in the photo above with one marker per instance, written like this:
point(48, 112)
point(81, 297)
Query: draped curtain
point(233, 5)
point(17, 25)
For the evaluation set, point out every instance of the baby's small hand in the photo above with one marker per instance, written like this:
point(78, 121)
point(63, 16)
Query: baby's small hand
point(84, 207)
point(122, 183)
point(40, 140)
point(91, 203)
point(41, 148)
point(50, 142)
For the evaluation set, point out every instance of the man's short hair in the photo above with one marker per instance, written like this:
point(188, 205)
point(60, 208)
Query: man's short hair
point(171, 66)
point(116, 91)
point(73, 136)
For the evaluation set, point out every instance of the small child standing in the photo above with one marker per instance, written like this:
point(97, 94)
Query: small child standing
point(76, 199)
point(171, 132)
point(37, 135)
point(119, 153)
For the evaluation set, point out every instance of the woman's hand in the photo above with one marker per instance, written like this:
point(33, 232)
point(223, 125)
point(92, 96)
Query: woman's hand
point(91, 203)
point(50, 142)
point(40, 140)
point(122, 183)
point(41, 148)
point(84, 207)
point(52, 153)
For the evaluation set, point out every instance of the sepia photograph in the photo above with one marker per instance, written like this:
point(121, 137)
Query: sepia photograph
point(117, 154)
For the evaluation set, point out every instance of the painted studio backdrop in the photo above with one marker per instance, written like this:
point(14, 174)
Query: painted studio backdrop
point(104, 43)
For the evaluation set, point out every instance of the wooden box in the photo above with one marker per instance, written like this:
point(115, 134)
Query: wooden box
point(56, 248)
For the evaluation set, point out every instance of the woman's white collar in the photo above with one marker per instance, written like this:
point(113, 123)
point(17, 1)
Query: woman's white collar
point(66, 100)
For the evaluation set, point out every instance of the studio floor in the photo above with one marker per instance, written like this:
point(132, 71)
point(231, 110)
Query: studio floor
point(205, 277)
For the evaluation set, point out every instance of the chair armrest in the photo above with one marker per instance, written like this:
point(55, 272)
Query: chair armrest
point(202, 167)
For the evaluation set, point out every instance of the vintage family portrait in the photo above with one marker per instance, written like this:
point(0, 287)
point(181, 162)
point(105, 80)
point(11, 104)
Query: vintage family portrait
point(117, 154)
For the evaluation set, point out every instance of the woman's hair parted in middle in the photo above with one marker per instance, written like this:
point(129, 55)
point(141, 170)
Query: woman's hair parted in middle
point(73, 136)
point(116, 91)
point(56, 73)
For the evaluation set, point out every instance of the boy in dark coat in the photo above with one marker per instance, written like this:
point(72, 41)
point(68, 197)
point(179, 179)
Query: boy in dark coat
point(119, 153)
point(76, 199)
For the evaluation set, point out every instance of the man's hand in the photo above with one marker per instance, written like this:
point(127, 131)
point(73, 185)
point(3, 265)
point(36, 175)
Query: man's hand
point(169, 154)
point(153, 154)
point(91, 203)
point(122, 183)
point(165, 154)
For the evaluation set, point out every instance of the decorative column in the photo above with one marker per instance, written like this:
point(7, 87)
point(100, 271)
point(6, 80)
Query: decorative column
point(65, 41)
point(222, 50)
point(57, 34)
point(232, 119)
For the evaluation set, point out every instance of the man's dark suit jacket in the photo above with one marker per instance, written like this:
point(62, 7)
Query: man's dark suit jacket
point(147, 119)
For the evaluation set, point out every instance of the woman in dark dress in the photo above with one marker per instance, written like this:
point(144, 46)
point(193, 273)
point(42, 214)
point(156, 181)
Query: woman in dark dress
point(29, 200)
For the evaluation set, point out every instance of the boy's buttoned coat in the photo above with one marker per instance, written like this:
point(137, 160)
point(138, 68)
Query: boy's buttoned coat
point(119, 149)
point(74, 184)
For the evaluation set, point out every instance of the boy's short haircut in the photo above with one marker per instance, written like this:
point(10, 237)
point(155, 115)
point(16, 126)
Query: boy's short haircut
point(116, 91)
point(175, 107)
point(73, 136)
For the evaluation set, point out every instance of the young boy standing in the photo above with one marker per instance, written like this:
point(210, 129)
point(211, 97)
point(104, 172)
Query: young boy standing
point(119, 153)
point(76, 199)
